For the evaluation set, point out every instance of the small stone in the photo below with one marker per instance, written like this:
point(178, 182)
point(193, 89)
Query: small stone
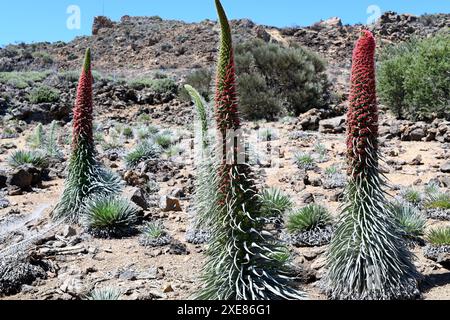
point(167, 288)
point(92, 250)
point(445, 168)
point(417, 161)
point(28, 289)
point(156, 253)
point(168, 203)
point(68, 231)
point(139, 199)
point(4, 203)
point(108, 250)
point(59, 244)
point(178, 193)
point(318, 263)
point(316, 182)
point(20, 178)
point(127, 275)
point(307, 198)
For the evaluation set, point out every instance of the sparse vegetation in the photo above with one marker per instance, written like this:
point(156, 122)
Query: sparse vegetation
point(274, 80)
point(112, 144)
point(34, 158)
point(161, 86)
point(440, 200)
point(412, 195)
point(274, 202)
point(145, 150)
point(174, 150)
point(43, 56)
point(44, 94)
point(46, 142)
point(439, 237)
point(413, 78)
point(409, 219)
point(267, 134)
point(201, 80)
point(109, 217)
point(127, 132)
point(308, 218)
point(22, 80)
point(304, 161)
point(321, 151)
point(154, 234)
point(164, 140)
point(104, 294)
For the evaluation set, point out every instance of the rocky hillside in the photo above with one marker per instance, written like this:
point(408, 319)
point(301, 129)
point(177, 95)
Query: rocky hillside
point(136, 45)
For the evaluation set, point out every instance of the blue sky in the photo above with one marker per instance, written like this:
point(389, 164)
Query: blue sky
point(46, 20)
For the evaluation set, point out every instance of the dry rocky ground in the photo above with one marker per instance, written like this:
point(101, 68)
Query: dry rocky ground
point(69, 263)
point(80, 262)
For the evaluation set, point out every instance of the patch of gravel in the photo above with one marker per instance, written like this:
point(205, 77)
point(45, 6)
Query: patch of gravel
point(438, 214)
point(334, 181)
point(432, 252)
point(197, 236)
point(311, 238)
point(147, 241)
point(15, 272)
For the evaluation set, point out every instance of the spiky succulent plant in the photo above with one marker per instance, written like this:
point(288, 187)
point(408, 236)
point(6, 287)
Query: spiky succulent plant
point(206, 182)
point(104, 294)
point(51, 143)
point(308, 218)
point(241, 260)
point(274, 202)
point(145, 150)
point(309, 226)
point(304, 161)
point(154, 234)
point(34, 158)
point(86, 177)
point(439, 200)
point(367, 258)
point(37, 139)
point(439, 236)
point(409, 219)
point(109, 216)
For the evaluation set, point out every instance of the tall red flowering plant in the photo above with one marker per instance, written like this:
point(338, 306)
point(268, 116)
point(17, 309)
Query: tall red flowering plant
point(85, 177)
point(243, 259)
point(367, 258)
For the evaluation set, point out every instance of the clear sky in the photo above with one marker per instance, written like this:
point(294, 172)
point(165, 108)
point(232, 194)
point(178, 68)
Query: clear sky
point(47, 20)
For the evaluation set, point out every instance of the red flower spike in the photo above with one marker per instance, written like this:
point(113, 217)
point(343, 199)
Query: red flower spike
point(362, 117)
point(82, 112)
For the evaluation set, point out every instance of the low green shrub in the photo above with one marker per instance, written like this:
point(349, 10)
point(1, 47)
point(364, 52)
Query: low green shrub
point(201, 80)
point(308, 218)
point(409, 219)
point(109, 217)
point(34, 158)
point(44, 94)
point(161, 86)
point(274, 80)
point(414, 76)
point(145, 150)
point(439, 236)
point(274, 202)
